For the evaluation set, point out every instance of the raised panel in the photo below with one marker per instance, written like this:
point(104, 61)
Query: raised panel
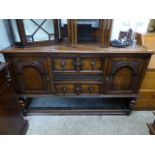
point(122, 79)
point(124, 75)
point(32, 75)
point(32, 79)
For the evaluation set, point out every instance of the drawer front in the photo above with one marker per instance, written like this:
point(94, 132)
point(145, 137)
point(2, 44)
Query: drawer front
point(143, 94)
point(149, 80)
point(145, 103)
point(77, 89)
point(77, 64)
point(91, 64)
point(64, 89)
point(63, 64)
point(90, 89)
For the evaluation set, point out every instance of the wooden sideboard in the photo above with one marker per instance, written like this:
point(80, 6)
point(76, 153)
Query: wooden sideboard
point(11, 119)
point(113, 74)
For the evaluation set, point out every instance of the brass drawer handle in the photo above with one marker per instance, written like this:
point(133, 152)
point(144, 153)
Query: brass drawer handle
point(78, 89)
point(77, 64)
point(91, 90)
point(65, 90)
point(93, 64)
point(63, 65)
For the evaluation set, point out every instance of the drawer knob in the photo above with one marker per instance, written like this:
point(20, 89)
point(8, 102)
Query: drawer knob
point(63, 65)
point(91, 90)
point(93, 64)
point(78, 89)
point(77, 64)
point(65, 90)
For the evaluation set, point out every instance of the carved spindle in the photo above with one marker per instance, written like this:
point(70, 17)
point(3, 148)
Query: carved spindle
point(8, 78)
point(93, 65)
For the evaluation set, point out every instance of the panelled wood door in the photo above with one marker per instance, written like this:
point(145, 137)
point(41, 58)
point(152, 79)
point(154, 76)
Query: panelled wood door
point(123, 75)
point(32, 74)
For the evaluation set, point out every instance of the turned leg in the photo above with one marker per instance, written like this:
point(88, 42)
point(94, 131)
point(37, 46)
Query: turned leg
point(131, 105)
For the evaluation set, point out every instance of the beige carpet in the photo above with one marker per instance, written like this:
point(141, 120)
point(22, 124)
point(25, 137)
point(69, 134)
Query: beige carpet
point(135, 124)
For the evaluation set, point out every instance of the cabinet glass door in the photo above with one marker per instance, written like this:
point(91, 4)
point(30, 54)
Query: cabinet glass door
point(39, 29)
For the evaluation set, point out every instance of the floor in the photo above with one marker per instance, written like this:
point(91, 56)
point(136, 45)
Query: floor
point(135, 124)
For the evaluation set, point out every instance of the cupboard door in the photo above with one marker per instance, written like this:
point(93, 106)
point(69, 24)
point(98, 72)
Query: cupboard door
point(123, 75)
point(32, 75)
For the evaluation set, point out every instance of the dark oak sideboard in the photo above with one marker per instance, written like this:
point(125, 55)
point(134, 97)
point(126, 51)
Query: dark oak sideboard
point(11, 119)
point(112, 74)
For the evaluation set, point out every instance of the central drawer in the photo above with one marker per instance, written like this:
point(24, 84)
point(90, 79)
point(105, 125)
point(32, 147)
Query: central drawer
point(77, 89)
point(77, 64)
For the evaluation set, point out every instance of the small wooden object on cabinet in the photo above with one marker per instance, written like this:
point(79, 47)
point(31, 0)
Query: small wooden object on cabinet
point(11, 119)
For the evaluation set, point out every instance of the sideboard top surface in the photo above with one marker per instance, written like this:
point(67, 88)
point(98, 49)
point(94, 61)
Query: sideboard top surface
point(79, 49)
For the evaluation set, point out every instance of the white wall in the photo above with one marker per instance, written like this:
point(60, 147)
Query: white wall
point(5, 36)
point(125, 24)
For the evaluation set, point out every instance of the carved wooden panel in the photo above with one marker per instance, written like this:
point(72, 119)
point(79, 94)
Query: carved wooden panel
point(74, 77)
point(32, 75)
point(124, 75)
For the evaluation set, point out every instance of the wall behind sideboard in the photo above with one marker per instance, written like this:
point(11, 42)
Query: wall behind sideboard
point(5, 36)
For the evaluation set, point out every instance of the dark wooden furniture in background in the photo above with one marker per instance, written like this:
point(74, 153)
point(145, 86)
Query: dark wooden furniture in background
point(146, 97)
point(151, 127)
point(11, 119)
point(86, 71)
